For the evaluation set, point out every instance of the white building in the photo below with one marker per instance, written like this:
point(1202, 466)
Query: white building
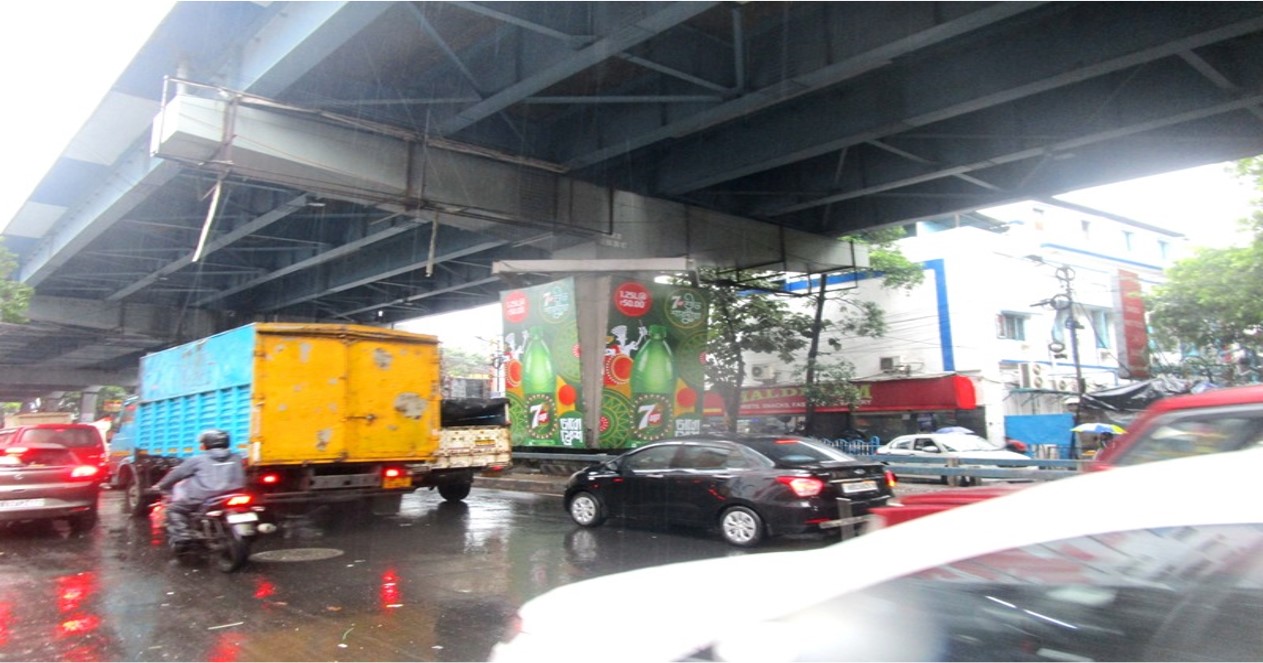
point(989, 310)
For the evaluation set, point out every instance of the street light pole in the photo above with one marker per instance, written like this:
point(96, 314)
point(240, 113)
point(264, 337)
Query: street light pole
point(1064, 301)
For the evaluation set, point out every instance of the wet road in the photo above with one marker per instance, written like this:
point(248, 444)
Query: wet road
point(435, 583)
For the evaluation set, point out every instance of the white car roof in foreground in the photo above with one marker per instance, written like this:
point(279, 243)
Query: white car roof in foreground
point(671, 611)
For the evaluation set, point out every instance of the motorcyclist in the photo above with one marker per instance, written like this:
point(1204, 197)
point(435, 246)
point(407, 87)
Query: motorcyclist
point(214, 472)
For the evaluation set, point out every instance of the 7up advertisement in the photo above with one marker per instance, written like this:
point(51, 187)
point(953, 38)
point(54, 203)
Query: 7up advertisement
point(542, 365)
point(654, 363)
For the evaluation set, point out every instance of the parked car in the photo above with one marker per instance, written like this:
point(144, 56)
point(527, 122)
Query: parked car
point(749, 487)
point(949, 445)
point(1210, 422)
point(46, 480)
point(1045, 573)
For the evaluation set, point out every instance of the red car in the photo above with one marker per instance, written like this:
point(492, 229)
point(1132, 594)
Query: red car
point(1193, 424)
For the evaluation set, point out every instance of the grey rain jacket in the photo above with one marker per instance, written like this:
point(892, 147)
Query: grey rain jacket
point(212, 472)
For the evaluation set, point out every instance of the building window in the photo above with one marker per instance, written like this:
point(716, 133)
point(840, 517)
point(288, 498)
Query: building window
point(1102, 328)
point(1086, 227)
point(1164, 249)
point(1011, 326)
point(1128, 238)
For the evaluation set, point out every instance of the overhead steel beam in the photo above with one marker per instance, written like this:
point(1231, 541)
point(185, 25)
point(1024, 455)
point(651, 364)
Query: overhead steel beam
point(279, 54)
point(1080, 43)
point(618, 41)
point(894, 46)
point(227, 239)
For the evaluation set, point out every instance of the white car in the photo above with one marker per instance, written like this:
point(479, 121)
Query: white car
point(949, 445)
point(1118, 565)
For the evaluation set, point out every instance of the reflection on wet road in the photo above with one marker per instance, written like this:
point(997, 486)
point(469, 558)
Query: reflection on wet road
point(435, 583)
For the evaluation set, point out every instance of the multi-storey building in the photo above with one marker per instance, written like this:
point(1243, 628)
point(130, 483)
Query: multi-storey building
point(985, 341)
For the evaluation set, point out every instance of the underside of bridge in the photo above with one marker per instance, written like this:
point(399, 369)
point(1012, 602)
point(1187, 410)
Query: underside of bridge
point(371, 162)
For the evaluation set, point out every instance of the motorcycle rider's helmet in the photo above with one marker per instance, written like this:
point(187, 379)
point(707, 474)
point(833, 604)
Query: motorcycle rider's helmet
point(213, 438)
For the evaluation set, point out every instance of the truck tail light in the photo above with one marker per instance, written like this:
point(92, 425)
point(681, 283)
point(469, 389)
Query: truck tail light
point(393, 472)
point(270, 479)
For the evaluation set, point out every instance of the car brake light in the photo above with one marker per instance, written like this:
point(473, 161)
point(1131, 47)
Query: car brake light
point(803, 486)
point(270, 479)
point(85, 472)
point(789, 440)
point(239, 500)
point(891, 479)
point(393, 473)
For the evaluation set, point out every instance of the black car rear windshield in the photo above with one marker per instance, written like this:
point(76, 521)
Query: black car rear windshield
point(795, 450)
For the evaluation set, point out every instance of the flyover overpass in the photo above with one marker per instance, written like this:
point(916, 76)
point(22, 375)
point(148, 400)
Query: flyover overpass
point(371, 162)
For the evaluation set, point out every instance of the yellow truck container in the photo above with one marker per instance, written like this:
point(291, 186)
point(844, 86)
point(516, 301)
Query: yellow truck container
point(320, 413)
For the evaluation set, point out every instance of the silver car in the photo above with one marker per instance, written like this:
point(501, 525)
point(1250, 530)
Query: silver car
point(43, 480)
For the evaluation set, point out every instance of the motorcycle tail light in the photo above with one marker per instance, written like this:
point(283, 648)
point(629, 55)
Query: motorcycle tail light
point(85, 472)
point(803, 486)
point(239, 500)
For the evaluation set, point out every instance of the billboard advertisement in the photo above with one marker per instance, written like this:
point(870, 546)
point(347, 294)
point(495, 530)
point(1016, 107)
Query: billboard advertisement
point(542, 367)
point(653, 368)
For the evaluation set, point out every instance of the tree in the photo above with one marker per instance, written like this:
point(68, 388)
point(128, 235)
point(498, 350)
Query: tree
point(1211, 306)
point(749, 312)
point(14, 297)
point(460, 363)
point(827, 377)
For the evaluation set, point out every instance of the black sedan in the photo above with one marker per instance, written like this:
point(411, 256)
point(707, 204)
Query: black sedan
point(750, 487)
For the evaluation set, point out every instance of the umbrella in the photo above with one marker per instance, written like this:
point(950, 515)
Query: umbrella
point(1098, 428)
point(955, 429)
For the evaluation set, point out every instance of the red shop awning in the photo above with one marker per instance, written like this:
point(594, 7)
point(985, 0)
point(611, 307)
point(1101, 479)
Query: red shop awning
point(945, 392)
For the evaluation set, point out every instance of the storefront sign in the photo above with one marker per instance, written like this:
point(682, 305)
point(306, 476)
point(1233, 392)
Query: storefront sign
point(1134, 332)
point(949, 392)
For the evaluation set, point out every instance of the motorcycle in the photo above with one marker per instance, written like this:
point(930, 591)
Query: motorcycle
point(224, 528)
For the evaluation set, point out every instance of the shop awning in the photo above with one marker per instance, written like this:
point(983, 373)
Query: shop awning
point(943, 392)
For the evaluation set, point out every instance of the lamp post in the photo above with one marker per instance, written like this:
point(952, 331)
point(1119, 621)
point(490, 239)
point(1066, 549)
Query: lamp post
point(1064, 301)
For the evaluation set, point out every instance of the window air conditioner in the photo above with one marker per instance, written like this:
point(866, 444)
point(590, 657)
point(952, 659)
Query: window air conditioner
point(889, 364)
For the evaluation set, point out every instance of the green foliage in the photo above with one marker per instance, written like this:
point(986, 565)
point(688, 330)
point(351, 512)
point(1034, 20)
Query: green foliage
point(748, 313)
point(15, 297)
point(751, 313)
point(1213, 301)
point(459, 363)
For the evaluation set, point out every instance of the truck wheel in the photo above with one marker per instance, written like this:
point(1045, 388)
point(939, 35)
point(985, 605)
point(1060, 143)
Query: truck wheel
point(455, 492)
point(135, 503)
point(385, 505)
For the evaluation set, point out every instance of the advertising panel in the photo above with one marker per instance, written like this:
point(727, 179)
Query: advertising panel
point(653, 365)
point(542, 368)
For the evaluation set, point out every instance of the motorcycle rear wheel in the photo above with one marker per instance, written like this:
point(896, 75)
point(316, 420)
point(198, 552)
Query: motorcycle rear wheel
point(231, 551)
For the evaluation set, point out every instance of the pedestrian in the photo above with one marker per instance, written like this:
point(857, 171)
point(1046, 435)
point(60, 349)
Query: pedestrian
point(215, 471)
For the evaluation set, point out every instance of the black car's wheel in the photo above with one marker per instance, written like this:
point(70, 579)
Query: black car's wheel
point(586, 509)
point(455, 492)
point(741, 526)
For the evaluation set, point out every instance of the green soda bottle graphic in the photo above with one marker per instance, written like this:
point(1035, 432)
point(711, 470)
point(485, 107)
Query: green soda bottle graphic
point(653, 387)
point(539, 390)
